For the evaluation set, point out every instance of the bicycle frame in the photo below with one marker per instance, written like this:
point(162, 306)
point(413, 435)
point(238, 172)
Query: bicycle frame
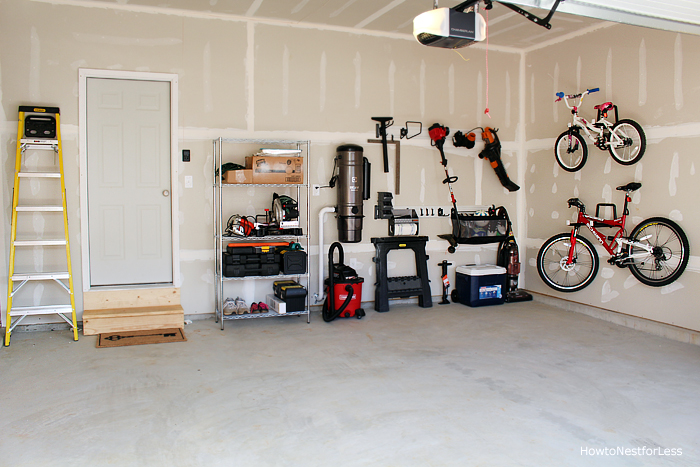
point(616, 242)
point(597, 126)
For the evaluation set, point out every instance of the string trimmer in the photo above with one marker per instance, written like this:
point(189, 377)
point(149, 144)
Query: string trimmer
point(438, 134)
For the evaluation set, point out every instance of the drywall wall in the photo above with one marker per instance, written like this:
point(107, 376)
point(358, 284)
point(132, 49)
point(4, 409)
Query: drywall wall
point(254, 80)
point(652, 78)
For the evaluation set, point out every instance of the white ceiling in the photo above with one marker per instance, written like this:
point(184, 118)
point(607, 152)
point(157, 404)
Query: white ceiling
point(506, 28)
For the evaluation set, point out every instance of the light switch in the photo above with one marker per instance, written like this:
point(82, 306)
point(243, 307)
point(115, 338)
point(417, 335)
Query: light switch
point(188, 181)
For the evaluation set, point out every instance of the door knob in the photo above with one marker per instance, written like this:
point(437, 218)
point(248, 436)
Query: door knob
point(166, 193)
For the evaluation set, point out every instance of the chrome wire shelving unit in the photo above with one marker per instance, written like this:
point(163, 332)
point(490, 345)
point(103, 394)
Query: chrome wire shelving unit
point(223, 196)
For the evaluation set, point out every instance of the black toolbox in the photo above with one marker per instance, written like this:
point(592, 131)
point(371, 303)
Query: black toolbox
point(242, 260)
point(257, 258)
point(251, 269)
point(292, 293)
point(293, 261)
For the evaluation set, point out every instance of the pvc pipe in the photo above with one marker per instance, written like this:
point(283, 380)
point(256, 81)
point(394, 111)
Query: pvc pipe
point(320, 295)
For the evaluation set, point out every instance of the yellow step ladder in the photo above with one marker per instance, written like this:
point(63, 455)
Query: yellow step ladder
point(39, 128)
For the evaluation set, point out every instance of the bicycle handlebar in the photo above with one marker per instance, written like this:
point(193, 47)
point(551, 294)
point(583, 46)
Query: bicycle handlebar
point(560, 95)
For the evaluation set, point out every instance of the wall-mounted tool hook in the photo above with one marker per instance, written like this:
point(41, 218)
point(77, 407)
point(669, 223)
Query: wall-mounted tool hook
point(404, 131)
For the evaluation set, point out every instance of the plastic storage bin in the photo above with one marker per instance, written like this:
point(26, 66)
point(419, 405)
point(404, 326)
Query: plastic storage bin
point(481, 285)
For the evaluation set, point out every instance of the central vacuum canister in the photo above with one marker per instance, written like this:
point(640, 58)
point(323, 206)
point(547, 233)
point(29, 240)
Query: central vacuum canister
point(353, 189)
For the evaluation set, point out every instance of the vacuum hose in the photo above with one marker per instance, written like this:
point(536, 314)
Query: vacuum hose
point(329, 312)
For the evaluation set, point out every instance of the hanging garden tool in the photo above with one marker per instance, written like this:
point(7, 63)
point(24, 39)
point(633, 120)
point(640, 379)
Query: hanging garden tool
point(492, 152)
point(438, 133)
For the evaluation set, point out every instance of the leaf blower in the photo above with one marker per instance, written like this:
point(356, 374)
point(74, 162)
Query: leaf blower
point(492, 152)
point(342, 287)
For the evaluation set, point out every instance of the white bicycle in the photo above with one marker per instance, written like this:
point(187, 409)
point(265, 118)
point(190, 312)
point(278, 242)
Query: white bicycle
point(624, 139)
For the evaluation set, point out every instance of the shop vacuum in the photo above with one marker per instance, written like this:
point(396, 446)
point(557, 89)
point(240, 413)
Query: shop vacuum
point(343, 289)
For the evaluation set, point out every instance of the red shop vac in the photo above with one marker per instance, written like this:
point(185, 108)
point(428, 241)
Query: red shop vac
point(343, 287)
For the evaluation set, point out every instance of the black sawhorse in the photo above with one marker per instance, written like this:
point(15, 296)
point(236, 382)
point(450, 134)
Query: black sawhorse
point(404, 286)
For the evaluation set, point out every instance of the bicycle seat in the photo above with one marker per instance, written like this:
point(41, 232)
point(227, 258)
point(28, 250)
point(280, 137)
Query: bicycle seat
point(576, 202)
point(632, 186)
point(604, 107)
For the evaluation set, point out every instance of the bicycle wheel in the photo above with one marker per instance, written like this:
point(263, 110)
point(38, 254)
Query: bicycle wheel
point(552, 267)
point(634, 142)
point(669, 252)
point(571, 151)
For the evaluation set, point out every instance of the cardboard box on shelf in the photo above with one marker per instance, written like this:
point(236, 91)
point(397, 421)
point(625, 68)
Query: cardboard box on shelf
point(276, 304)
point(276, 169)
point(238, 176)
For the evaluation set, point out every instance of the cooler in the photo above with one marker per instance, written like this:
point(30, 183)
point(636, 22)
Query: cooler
point(481, 285)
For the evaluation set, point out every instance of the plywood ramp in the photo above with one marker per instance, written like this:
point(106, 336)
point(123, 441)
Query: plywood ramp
point(131, 310)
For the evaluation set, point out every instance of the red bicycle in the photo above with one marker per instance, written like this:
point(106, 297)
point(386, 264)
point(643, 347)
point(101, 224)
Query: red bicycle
point(656, 252)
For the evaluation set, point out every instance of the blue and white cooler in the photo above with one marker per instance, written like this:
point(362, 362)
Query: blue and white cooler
point(480, 285)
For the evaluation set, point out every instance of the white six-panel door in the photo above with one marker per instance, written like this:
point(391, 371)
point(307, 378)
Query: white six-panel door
point(128, 181)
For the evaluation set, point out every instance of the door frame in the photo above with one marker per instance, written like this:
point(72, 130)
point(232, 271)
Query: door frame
point(84, 74)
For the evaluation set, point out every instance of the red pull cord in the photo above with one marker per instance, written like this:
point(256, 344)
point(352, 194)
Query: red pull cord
point(486, 111)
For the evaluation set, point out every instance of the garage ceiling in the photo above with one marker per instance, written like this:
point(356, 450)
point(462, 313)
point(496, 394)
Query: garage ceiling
point(506, 28)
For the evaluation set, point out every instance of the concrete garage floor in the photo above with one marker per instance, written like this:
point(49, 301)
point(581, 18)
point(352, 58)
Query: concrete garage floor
point(518, 384)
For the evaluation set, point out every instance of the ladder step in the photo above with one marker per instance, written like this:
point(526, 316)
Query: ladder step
point(40, 276)
point(40, 141)
point(40, 310)
point(40, 242)
point(39, 174)
point(39, 208)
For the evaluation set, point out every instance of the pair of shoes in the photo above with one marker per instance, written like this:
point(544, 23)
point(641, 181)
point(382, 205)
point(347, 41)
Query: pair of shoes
point(241, 306)
point(259, 307)
point(230, 307)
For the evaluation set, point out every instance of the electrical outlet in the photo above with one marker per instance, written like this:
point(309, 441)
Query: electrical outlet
point(317, 190)
point(188, 181)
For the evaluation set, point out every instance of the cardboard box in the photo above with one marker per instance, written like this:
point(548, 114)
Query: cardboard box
point(276, 304)
point(481, 285)
point(276, 169)
point(238, 176)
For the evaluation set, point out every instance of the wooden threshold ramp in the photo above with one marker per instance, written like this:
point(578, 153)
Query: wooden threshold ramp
point(129, 310)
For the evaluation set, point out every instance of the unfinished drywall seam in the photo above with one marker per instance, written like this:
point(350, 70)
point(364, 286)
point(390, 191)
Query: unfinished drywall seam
point(34, 66)
point(379, 13)
point(206, 79)
point(392, 86)
point(357, 62)
point(642, 73)
point(250, 77)
point(422, 89)
point(253, 7)
point(451, 88)
point(285, 81)
point(156, 10)
point(678, 73)
point(521, 228)
point(508, 99)
point(565, 37)
point(322, 86)
point(608, 76)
